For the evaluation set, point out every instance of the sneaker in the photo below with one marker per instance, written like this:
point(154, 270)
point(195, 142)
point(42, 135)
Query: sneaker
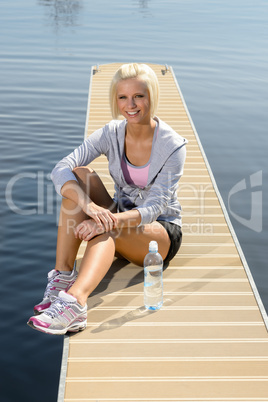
point(56, 282)
point(64, 314)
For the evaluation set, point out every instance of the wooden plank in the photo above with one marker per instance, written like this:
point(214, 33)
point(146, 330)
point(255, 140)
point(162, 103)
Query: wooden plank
point(209, 341)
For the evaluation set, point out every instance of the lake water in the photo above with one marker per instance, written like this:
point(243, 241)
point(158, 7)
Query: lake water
point(218, 50)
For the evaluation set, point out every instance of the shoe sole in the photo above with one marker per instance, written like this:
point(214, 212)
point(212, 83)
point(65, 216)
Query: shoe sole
point(72, 328)
point(38, 312)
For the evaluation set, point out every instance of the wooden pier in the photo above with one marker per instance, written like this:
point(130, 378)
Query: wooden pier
point(209, 342)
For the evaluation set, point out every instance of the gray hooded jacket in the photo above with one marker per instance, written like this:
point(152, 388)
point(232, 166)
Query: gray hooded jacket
point(158, 199)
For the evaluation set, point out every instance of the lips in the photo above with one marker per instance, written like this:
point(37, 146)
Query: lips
point(133, 113)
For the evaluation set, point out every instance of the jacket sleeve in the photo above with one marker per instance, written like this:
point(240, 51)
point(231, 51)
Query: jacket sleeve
point(164, 187)
point(95, 145)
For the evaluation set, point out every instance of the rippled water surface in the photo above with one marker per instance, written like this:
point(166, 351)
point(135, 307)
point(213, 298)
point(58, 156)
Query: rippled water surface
point(218, 50)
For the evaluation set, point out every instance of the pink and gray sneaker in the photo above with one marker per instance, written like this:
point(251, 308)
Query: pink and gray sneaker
point(64, 314)
point(57, 281)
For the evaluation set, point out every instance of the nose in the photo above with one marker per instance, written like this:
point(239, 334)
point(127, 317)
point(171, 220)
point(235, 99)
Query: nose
point(131, 103)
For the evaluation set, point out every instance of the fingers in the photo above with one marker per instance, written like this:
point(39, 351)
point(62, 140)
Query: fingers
point(80, 231)
point(107, 221)
point(102, 220)
point(104, 217)
point(86, 230)
point(88, 237)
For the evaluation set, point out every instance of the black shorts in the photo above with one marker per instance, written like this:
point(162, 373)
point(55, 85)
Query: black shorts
point(175, 235)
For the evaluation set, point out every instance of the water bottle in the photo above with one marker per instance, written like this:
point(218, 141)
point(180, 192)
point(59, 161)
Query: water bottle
point(153, 278)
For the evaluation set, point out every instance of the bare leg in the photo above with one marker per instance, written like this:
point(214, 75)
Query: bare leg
point(131, 243)
point(71, 215)
point(96, 262)
point(92, 185)
point(67, 245)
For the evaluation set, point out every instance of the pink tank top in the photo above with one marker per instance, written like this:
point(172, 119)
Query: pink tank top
point(137, 175)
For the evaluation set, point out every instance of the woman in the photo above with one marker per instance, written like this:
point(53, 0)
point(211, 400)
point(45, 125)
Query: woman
point(146, 159)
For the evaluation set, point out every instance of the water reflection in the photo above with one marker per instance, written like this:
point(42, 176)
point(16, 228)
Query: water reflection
point(143, 3)
point(62, 12)
point(143, 7)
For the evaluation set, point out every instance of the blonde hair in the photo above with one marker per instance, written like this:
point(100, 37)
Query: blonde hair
point(135, 70)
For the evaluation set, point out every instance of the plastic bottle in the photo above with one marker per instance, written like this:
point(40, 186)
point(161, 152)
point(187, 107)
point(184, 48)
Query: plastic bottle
point(153, 278)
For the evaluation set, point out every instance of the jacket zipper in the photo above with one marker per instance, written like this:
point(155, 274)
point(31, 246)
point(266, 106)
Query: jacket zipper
point(139, 195)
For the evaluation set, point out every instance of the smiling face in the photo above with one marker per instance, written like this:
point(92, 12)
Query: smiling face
point(133, 100)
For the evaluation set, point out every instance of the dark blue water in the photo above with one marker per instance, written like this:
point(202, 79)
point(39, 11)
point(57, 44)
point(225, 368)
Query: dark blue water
point(218, 50)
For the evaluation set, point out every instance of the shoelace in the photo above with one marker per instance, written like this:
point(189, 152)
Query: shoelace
point(56, 307)
point(49, 285)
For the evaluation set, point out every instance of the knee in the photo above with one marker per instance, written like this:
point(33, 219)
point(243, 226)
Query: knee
point(82, 172)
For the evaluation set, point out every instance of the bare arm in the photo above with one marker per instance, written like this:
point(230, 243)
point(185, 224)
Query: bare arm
point(88, 229)
point(131, 218)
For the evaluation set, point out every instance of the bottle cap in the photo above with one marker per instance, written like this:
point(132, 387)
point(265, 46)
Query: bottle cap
point(153, 246)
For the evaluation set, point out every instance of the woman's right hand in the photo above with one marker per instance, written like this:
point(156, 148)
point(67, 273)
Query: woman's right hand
point(102, 217)
point(88, 229)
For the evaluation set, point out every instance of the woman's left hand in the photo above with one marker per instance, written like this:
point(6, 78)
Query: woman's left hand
point(88, 229)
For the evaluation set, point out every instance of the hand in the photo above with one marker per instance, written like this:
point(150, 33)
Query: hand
point(102, 217)
point(88, 229)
